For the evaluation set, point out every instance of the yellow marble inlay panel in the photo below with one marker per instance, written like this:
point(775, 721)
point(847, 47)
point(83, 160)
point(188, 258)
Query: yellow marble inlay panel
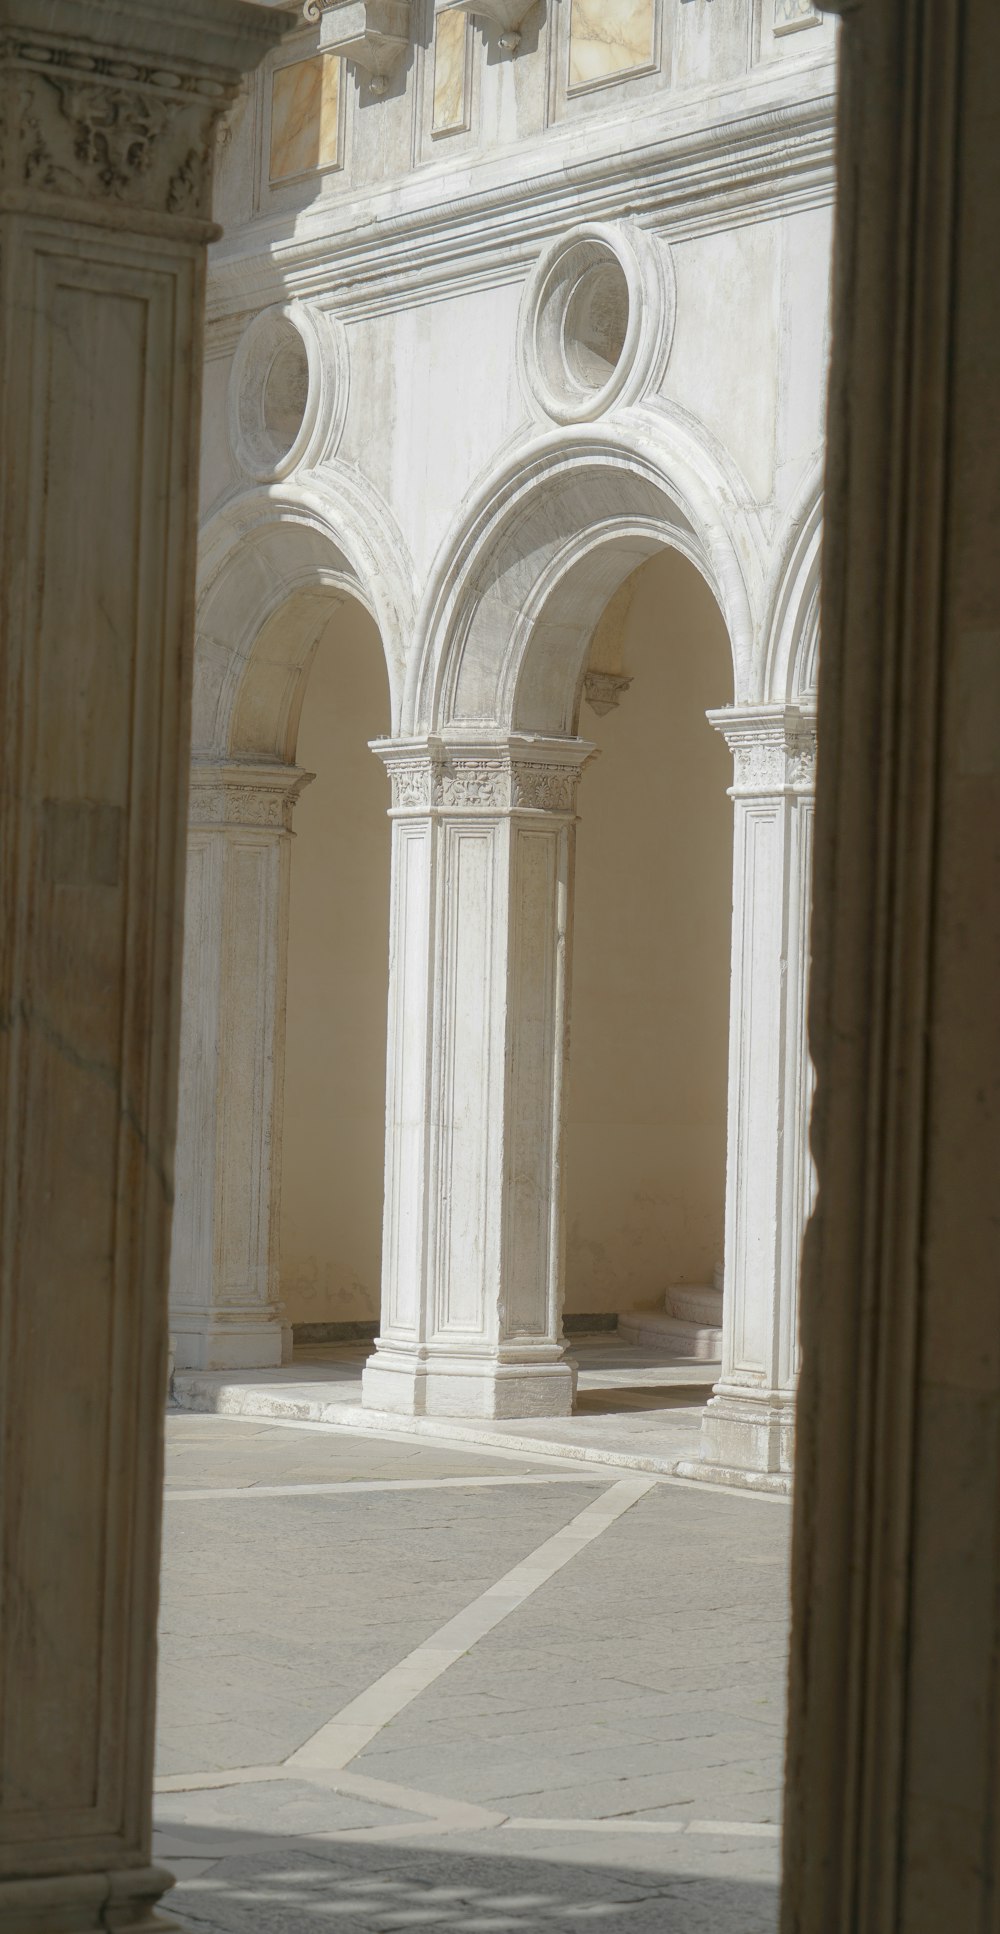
point(305, 116)
point(449, 71)
point(610, 37)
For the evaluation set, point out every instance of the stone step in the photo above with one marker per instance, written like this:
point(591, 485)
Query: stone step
point(695, 1303)
point(654, 1330)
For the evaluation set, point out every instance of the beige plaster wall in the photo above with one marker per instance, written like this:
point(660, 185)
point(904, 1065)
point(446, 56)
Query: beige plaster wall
point(646, 1124)
point(331, 1192)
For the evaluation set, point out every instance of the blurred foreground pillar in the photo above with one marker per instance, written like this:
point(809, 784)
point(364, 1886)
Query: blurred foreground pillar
point(107, 124)
point(893, 1814)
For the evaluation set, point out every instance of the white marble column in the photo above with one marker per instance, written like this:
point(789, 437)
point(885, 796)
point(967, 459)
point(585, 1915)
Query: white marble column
point(748, 1427)
point(225, 1308)
point(483, 842)
point(107, 122)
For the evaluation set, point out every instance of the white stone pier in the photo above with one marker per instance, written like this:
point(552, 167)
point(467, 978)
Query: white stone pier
point(483, 840)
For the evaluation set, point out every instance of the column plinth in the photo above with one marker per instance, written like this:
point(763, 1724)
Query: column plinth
point(748, 1427)
point(225, 1306)
point(483, 840)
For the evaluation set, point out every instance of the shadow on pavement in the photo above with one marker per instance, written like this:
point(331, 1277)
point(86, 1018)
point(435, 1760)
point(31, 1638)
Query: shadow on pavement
point(266, 1884)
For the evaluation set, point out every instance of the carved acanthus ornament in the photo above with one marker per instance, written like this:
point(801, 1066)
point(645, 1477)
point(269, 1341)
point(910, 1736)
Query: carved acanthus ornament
point(773, 747)
point(82, 126)
point(257, 797)
point(517, 776)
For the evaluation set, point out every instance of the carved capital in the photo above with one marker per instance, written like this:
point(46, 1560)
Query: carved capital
point(98, 124)
point(773, 747)
point(258, 797)
point(604, 690)
point(529, 775)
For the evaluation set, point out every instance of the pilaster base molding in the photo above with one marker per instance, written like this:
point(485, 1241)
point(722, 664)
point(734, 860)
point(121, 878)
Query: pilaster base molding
point(483, 832)
point(467, 1386)
point(748, 1428)
point(226, 1312)
point(124, 1897)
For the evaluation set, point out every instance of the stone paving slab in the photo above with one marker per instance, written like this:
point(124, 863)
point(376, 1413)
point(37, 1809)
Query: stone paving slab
point(606, 1755)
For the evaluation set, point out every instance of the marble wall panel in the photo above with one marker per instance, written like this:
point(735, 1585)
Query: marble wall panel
point(610, 37)
point(305, 116)
point(450, 110)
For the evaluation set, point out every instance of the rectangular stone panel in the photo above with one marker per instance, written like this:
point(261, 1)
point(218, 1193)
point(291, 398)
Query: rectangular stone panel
point(531, 1100)
point(609, 39)
point(467, 1106)
point(305, 116)
point(90, 634)
point(450, 110)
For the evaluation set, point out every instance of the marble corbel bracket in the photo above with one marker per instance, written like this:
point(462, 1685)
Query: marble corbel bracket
point(373, 34)
point(508, 15)
point(604, 690)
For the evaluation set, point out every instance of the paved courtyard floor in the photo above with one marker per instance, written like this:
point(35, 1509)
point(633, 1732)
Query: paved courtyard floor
point(417, 1684)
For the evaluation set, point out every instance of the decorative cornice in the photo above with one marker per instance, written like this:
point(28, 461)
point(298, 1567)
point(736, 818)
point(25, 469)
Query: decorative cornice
point(773, 748)
point(258, 797)
point(489, 227)
point(529, 775)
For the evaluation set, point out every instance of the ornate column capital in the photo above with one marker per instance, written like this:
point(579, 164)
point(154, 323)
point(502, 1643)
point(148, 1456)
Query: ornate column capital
point(111, 118)
point(508, 774)
point(239, 794)
point(773, 747)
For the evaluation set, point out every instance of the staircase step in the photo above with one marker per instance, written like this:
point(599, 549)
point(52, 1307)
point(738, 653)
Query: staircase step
point(655, 1330)
point(695, 1303)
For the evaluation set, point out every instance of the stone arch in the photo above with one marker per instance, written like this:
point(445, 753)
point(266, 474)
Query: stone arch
point(791, 600)
point(504, 626)
point(275, 562)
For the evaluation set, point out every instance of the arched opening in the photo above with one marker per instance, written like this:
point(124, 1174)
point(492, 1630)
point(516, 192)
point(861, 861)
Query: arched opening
point(333, 1131)
point(282, 1084)
point(645, 1112)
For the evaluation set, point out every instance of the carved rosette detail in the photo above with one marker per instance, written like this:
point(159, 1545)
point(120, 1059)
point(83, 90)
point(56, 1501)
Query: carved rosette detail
point(88, 126)
point(492, 781)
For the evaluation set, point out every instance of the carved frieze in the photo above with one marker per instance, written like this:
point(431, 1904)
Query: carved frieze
point(255, 797)
point(494, 779)
point(84, 126)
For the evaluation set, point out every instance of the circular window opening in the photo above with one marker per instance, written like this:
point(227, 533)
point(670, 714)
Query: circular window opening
point(596, 324)
point(285, 394)
point(279, 390)
point(583, 322)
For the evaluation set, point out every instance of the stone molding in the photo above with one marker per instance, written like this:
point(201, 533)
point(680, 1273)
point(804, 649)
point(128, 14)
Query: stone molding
point(777, 160)
point(773, 747)
point(105, 127)
point(530, 776)
point(259, 797)
point(374, 35)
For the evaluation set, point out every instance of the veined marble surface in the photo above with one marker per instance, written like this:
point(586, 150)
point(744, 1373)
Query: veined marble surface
point(305, 116)
point(450, 30)
point(609, 37)
point(794, 13)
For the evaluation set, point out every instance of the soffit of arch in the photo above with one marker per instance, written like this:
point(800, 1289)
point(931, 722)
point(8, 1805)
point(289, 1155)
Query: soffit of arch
point(423, 235)
point(295, 549)
point(790, 622)
point(526, 572)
